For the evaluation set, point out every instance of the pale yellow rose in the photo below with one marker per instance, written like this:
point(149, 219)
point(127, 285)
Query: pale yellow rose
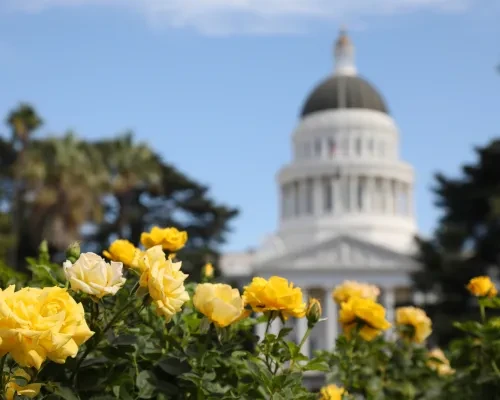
point(332, 392)
point(365, 314)
point(164, 281)
point(36, 324)
point(350, 289)
point(416, 319)
point(170, 239)
point(123, 251)
point(482, 286)
point(29, 390)
point(220, 303)
point(441, 364)
point(275, 294)
point(91, 274)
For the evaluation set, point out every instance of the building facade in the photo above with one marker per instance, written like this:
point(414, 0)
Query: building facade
point(345, 199)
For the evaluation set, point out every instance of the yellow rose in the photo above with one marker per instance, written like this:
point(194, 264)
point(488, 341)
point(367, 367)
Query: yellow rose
point(171, 239)
point(91, 274)
point(174, 240)
point(220, 303)
point(441, 364)
point(123, 251)
point(482, 286)
point(29, 390)
point(313, 313)
point(418, 322)
point(36, 324)
point(369, 315)
point(208, 270)
point(164, 281)
point(276, 294)
point(332, 392)
point(350, 289)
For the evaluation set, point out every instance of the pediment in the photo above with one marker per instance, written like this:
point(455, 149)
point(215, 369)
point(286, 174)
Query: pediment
point(343, 252)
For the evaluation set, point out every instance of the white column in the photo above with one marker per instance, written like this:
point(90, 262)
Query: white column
point(317, 198)
point(331, 319)
point(275, 326)
point(389, 193)
point(389, 301)
point(409, 200)
point(333, 193)
point(260, 330)
point(353, 198)
point(302, 328)
point(397, 197)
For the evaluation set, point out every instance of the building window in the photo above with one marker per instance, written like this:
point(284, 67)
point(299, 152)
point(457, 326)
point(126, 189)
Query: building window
point(382, 149)
point(309, 196)
point(332, 147)
point(361, 193)
point(327, 195)
point(358, 146)
point(317, 148)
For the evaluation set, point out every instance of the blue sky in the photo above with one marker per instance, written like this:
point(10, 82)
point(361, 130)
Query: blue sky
point(215, 86)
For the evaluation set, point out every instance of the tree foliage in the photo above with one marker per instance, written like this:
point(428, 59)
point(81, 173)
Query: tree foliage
point(466, 242)
point(65, 189)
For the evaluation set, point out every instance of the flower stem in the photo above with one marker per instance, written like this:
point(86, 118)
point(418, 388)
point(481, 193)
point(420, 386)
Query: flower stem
point(2, 386)
point(483, 313)
point(99, 336)
point(304, 338)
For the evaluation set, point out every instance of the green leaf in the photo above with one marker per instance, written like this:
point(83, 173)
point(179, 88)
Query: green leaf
point(493, 302)
point(173, 366)
point(145, 382)
point(65, 393)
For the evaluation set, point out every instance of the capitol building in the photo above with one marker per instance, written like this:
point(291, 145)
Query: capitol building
point(345, 199)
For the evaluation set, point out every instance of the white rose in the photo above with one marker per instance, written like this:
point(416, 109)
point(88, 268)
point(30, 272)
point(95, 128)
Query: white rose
point(93, 275)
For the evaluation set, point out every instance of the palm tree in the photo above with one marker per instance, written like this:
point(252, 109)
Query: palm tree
point(66, 180)
point(23, 122)
point(134, 169)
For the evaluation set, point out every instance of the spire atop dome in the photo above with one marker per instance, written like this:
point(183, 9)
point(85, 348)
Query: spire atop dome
point(344, 54)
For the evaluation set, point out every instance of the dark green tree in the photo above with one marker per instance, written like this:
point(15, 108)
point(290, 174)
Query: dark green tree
point(466, 242)
point(65, 189)
point(147, 191)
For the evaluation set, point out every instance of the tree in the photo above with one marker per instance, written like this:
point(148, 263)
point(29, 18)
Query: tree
point(23, 122)
point(146, 191)
point(65, 189)
point(466, 242)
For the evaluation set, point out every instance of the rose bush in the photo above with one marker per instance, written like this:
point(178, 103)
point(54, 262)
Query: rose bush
point(92, 329)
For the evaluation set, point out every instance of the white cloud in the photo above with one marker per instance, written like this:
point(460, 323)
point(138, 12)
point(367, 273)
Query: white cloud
point(251, 16)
